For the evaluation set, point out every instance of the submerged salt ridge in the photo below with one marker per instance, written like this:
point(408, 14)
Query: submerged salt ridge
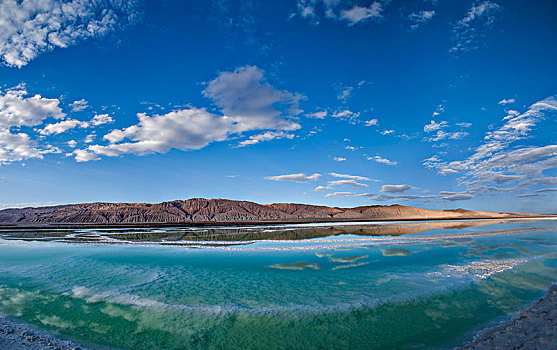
point(433, 285)
point(484, 269)
point(329, 305)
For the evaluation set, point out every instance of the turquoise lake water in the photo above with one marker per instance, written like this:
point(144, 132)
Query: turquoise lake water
point(377, 286)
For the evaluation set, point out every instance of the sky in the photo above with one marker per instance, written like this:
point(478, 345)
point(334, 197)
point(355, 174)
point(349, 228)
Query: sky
point(437, 104)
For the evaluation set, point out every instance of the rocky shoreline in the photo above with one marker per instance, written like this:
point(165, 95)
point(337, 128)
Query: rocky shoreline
point(534, 328)
point(14, 336)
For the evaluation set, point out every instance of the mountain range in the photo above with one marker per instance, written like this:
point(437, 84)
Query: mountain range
point(211, 211)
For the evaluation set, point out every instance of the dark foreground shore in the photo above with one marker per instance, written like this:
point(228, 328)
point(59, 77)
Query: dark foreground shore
point(535, 328)
point(14, 336)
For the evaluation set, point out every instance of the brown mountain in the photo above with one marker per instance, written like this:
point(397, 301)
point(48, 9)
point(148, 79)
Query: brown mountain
point(200, 210)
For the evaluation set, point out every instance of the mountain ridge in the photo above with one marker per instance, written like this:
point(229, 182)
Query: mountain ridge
point(218, 210)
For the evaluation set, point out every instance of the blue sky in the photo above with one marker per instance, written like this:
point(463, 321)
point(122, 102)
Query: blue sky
point(438, 104)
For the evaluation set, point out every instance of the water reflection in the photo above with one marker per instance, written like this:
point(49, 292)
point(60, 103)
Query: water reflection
point(235, 234)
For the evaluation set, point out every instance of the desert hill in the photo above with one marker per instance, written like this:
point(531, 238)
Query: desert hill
point(200, 210)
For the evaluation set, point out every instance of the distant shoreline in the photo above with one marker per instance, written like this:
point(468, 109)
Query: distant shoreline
point(59, 225)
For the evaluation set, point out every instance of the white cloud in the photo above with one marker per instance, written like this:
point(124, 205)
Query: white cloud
point(455, 196)
point(339, 159)
point(395, 188)
point(387, 132)
point(346, 114)
point(16, 147)
point(343, 194)
point(517, 126)
point(266, 136)
point(443, 195)
point(79, 105)
point(60, 127)
point(421, 17)
point(464, 124)
point(346, 183)
point(438, 110)
point(447, 171)
point(547, 190)
point(248, 103)
point(433, 125)
point(432, 159)
point(306, 9)
point(338, 10)
point(84, 155)
point(186, 129)
point(294, 177)
point(506, 101)
point(90, 138)
point(468, 30)
point(372, 122)
point(351, 177)
point(381, 160)
point(358, 14)
point(494, 162)
point(101, 119)
point(443, 135)
point(23, 205)
point(65, 125)
point(548, 180)
point(319, 188)
point(30, 27)
point(20, 111)
point(317, 115)
point(17, 110)
point(345, 93)
point(529, 195)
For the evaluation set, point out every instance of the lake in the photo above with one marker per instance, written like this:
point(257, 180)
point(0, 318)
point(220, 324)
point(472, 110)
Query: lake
point(313, 286)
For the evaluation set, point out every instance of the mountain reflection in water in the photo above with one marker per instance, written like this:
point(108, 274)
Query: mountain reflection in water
point(233, 233)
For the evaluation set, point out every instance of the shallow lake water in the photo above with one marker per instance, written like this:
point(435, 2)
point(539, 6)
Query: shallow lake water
point(313, 286)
